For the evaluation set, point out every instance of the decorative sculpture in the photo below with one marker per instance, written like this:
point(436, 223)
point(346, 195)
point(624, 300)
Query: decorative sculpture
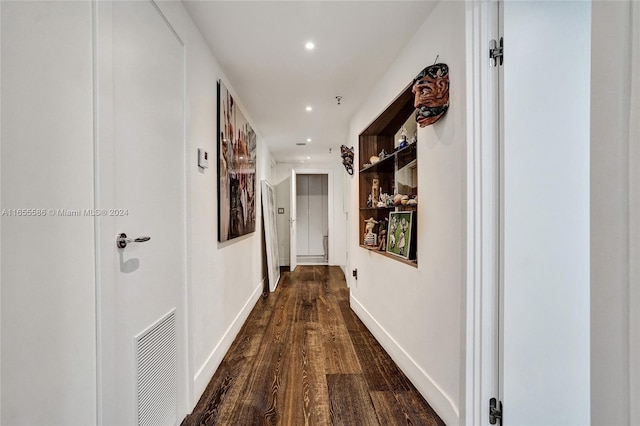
point(375, 192)
point(370, 239)
point(347, 158)
point(382, 234)
point(431, 94)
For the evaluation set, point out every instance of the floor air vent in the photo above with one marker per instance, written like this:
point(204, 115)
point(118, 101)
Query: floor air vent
point(156, 359)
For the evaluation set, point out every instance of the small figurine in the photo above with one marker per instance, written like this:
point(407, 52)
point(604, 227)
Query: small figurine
point(370, 239)
point(382, 246)
point(375, 191)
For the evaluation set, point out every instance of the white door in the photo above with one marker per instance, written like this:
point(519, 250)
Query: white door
point(293, 246)
point(546, 307)
point(140, 68)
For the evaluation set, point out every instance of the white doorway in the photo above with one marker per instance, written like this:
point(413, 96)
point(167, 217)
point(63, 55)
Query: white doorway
point(141, 176)
point(311, 208)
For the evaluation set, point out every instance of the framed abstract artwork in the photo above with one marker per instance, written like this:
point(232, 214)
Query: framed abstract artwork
point(236, 170)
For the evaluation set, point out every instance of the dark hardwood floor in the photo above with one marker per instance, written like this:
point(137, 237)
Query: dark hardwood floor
point(304, 358)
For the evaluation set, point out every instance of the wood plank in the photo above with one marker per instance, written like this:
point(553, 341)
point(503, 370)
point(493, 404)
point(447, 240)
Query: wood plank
point(340, 356)
point(270, 369)
point(350, 400)
point(378, 367)
point(265, 388)
point(302, 273)
point(399, 409)
point(308, 305)
point(306, 398)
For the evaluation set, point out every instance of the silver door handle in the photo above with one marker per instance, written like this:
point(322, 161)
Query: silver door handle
point(122, 240)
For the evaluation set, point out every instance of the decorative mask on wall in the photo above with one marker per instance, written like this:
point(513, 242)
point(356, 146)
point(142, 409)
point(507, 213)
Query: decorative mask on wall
point(347, 158)
point(431, 94)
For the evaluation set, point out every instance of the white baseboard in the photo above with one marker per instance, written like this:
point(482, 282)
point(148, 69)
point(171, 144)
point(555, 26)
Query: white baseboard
point(437, 398)
point(346, 274)
point(204, 374)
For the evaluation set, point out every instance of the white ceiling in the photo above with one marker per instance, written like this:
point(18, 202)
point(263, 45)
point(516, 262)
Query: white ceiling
point(260, 47)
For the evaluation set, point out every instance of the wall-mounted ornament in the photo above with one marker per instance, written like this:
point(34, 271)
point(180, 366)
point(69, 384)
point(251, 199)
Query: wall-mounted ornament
point(431, 94)
point(347, 158)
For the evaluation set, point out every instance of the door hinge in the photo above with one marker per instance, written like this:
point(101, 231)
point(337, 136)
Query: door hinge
point(496, 52)
point(495, 411)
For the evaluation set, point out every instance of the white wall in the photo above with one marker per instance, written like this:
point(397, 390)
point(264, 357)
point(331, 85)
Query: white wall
point(281, 180)
point(416, 314)
point(225, 279)
point(610, 89)
point(48, 281)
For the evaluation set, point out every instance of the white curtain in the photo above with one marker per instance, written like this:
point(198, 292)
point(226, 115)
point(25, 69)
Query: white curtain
point(634, 215)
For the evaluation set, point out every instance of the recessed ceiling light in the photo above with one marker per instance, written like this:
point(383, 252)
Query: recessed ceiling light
point(308, 158)
point(308, 139)
point(309, 45)
point(308, 108)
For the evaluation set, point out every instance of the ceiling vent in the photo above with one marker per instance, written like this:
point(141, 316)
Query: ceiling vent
point(301, 143)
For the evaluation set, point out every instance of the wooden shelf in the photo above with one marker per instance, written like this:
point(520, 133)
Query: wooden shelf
point(379, 208)
point(406, 155)
point(395, 173)
point(383, 166)
point(413, 263)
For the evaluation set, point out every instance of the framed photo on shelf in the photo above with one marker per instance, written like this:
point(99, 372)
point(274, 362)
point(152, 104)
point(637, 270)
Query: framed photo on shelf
point(401, 234)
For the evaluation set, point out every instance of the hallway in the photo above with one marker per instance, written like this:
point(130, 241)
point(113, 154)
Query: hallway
point(304, 358)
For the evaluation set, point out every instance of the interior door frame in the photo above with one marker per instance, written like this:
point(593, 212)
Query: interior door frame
point(481, 369)
point(293, 197)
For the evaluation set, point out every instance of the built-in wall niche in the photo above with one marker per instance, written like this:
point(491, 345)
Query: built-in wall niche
point(388, 169)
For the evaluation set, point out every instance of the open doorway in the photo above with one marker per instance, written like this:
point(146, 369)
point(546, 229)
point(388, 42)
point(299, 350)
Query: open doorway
point(312, 207)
